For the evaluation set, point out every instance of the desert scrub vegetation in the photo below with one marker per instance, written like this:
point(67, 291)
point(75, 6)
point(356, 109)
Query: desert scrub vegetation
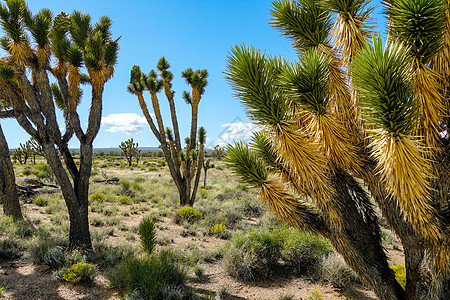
point(152, 275)
point(257, 253)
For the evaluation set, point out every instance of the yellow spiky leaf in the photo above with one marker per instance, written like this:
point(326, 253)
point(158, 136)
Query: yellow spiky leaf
point(302, 156)
point(427, 90)
point(334, 141)
point(274, 195)
point(406, 173)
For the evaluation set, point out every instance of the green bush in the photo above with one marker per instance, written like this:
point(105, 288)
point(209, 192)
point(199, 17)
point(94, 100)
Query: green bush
point(153, 277)
point(124, 199)
point(186, 213)
point(81, 273)
point(147, 235)
point(108, 256)
point(302, 251)
point(252, 256)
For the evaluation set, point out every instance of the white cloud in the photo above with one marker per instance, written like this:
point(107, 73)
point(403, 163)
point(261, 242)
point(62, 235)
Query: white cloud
point(129, 123)
point(236, 131)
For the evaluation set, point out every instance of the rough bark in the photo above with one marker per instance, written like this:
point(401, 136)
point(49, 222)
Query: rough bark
point(76, 198)
point(359, 241)
point(8, 191)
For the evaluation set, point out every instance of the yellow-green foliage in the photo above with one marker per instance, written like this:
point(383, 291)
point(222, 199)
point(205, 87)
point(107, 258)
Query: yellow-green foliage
point(98, 197)
point(217, 229)
point(400, 274)
point(187, 213)
point(315, 295)
point(80, 272)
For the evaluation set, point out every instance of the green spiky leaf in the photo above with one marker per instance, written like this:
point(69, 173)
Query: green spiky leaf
point(305, 22)
point(253, 78)
point(419, 24)
point(202, 135)
point(246, 164)
point(306, 83)
point(383, 80)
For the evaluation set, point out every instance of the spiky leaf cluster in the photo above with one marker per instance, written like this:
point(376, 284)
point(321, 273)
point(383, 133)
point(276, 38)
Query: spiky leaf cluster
point(305, 22)
point(58, 98)
point(202, 135)
point(253, 77)
point(196, 79)
point(419, 24)
point(12, 16)
point(382, 78)
point(246, 164)
point(306, 83)
point(349, 9)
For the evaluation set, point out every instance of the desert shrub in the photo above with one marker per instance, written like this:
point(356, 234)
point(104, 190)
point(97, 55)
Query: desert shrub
point(147, 235)
point(400, 274)
point(220, 231)
point(59, 218)
point(114, 221)
point(164, 240)
point(152, 276)
point(203, 193)
point(334, 270)
point(253, 255)
point(186, 213)
point(302, 251)
point(199, 271)
point(27, 171)
point(23, 229)
point(222, 293)
point(97, 222)
point(230, 217)
point(40, 201)
point(315, 295)
point(136, 186)
point(49, 252)
point(125, 188)
point(110, 210)
point(97, 197)
point(139, 180)
point(286, 297)
point(108, 256)
point(108, 231)
point(250, 207)
point(9, 249)
point(81, 273)
point(124, 199)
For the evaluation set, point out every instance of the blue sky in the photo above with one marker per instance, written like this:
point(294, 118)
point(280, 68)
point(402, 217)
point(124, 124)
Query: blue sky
point(197, 34)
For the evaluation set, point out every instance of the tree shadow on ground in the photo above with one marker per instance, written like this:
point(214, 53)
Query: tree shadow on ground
point(23, 280)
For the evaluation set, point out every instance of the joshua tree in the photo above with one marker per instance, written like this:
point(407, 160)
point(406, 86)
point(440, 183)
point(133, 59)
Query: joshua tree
point(22, 153)
point(357, 112)
point(35, 148)
point(83, 53)
point(218, 152)
point(184, 164)
point(130, 150)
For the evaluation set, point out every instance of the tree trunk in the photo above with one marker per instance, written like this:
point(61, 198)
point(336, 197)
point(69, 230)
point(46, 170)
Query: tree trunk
point(75, 196)
point(204, 178)
point(8, 192)
point(359, 241)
